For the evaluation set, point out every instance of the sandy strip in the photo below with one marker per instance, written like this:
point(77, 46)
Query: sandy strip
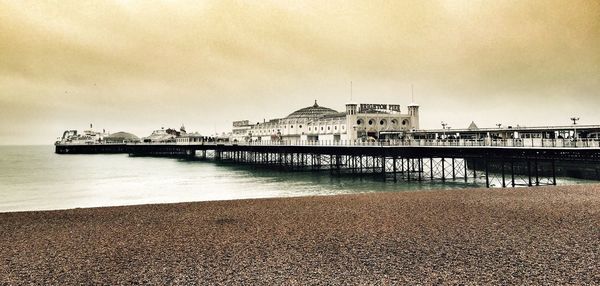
point(547, 235)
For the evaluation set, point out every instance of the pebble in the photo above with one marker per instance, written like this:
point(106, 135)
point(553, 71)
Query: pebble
point(545, 235)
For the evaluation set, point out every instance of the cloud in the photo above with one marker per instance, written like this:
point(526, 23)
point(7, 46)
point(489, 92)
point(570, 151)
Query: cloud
point(147, 63)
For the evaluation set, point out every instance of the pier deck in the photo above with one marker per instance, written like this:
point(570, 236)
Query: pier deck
point(500, 163)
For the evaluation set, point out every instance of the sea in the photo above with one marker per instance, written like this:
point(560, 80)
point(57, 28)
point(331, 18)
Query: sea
point(34, 178)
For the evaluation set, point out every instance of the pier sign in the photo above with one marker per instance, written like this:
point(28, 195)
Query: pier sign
point(375, 106)
point(241, 123)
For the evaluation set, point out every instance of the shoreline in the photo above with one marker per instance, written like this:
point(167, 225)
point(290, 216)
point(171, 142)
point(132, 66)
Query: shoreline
point(450, 189)
point(437, 188)
point(499, 236)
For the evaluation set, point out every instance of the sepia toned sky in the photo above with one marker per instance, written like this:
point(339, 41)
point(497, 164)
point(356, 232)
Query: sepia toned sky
point(140, 65)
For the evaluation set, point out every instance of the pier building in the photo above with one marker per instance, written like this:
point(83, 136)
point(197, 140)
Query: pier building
point(164, 135)
point(531, 133)
point(365, 121)
point(121, 137)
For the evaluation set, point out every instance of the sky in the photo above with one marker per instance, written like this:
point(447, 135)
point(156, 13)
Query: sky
point(137, 66)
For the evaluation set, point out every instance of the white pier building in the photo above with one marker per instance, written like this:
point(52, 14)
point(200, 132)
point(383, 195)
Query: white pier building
point(365, 121)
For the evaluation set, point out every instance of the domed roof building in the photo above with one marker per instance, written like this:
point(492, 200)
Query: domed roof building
point(311, 112)
point(121, 137)
point(321, 124)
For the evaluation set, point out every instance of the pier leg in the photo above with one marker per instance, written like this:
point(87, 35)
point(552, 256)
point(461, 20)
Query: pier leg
point(408, 168)
point(512, 173)
point(280, 159)
point(303, 159)
point(465, 168)
point(487, 174)
point(529, 172)
point(453, 170)
point(420, 168)
point(383, 166)
point(443, 170)
point(394, 170)
point(374, 164)
point(431, 168)
point(537, 175)
point(503, 177)
point(402, 165)
point(361, 164)
point(330, 163)
point(553, 172)
point(319, 161)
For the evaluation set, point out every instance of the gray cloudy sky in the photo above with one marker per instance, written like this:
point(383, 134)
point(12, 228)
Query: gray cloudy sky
point(140, 65)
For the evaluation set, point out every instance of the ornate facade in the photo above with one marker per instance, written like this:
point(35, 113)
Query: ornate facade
point(318, 123)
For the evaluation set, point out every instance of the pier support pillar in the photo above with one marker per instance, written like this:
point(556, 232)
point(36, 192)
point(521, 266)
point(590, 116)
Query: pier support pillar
point(487, 173)
point(529, 173)
point(503, 175)
point(394, 170)
point(431, 168)
point(537, 175)
point(443, 170)
point(465, 169)
point(553, 172)
point(512, 173)
point(453, 169)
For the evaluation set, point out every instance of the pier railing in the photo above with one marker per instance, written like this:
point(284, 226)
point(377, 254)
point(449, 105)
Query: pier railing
point(509, 143)
point(524, 143)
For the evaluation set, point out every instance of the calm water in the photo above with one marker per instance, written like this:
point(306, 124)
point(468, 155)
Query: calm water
point(34, 178)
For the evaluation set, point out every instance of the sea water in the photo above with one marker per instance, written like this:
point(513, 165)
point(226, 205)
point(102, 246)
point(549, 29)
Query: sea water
point(35, 178)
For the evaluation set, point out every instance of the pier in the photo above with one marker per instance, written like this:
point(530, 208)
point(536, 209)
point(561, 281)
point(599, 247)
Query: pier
point(378, 140)
point(499, 163)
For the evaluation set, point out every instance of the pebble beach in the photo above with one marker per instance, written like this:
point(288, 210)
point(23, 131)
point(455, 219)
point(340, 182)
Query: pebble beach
point(544, 235)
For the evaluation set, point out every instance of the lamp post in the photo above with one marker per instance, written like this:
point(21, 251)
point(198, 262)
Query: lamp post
point(499, 127)
point(574, 119)
point(444, 124)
